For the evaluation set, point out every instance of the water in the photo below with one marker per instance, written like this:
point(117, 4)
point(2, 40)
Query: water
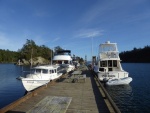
point(133, 98)
point(11, 89)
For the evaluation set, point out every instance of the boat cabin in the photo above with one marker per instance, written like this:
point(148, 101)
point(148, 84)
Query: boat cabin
point(43, 71)
point(62, 57)
point(109, 65)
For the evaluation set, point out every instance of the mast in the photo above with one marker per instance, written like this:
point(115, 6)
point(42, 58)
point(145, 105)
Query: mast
point(51, 56)
point(31, 57)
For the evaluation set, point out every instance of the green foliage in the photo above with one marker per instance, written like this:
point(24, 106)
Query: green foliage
point(141, 55)
point(8, 56)
point(57, 48)
point(30, 49)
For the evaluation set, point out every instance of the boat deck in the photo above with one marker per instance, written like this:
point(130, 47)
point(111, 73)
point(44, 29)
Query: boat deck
point(85, 97)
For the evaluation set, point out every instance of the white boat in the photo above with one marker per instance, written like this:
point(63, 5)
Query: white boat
point(40, 75)
point(121, 81)
point(63, 58)
point(108, 63)
point(31, 84)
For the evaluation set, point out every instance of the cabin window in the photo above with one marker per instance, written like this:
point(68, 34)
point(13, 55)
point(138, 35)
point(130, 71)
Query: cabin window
point(66, 62)
point(59, 62)
point(52, 71)
point(114, 63)
point(101, 69)
point(55, 70)
point(33, 71)
point(103, 63)
point(45, 71)
point(109, 69)
point(109, 63)
point(38, 70)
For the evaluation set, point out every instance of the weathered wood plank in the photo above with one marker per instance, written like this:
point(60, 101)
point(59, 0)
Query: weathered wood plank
point(51, 104)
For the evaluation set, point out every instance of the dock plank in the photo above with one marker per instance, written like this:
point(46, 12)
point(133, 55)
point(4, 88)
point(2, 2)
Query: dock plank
point(51, 104)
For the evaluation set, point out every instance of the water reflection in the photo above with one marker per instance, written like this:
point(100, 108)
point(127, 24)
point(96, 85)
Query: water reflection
point(122, 96)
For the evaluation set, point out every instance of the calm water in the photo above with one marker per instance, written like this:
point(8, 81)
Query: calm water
point(133, 98)
point(11, 89)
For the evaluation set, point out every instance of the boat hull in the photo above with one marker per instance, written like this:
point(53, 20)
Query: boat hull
point(31, 84)
point(122, 81)
point(112, 75)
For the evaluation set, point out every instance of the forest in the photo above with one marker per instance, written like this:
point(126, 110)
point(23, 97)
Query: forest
point(137, 55)
point(29, 50)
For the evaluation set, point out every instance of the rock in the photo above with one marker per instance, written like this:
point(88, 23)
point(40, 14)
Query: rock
point(35, 61)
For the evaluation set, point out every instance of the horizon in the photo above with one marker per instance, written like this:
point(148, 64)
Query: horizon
point(76, 25)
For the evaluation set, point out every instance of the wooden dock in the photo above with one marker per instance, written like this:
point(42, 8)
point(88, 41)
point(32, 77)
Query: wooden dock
point(84, 97)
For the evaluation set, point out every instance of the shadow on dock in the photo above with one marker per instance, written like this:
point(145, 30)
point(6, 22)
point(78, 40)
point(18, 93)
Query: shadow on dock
point(101, 105)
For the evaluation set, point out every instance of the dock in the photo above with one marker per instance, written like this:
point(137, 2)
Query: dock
point(63, 96)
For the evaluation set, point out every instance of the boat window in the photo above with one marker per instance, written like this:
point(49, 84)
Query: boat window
point(114, 63)
point(66, 61)
point(109, 69)
point(101, 69)
point(59, 62)
point(32, 71)
point(103, 63)
point(45, 71)
point(38, 70)
point(50, 71)
point(109, 63)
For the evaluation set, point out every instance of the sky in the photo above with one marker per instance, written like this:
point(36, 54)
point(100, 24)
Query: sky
point(76, 25)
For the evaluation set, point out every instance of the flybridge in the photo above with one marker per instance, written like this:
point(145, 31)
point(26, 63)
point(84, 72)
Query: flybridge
point(63, 52)
point(108, 47)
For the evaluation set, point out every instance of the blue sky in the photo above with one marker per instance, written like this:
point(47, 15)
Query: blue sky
point(75, 24)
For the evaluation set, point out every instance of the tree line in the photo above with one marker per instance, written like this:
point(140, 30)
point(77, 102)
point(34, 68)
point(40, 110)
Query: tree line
point(137, 55)
point(29, 50)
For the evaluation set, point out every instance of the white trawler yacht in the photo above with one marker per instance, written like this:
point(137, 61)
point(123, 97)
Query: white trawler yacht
point(108, 65)
point(63, 58)
point(40, 75)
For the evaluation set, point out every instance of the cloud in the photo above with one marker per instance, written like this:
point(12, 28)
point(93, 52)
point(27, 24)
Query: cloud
point(89, 33)
point(55, 40)
point(97, 10)
point(114, 11)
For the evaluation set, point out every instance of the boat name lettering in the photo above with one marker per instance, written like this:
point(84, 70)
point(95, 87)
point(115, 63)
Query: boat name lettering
point(108, 75)
point(30, 81)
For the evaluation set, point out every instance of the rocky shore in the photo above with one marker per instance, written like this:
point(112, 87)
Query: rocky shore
point(34, 61)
